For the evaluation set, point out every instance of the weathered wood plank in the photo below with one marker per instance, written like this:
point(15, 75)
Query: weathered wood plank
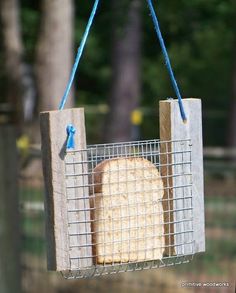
point(172, 128)
point(57, 204)
point(166, 171)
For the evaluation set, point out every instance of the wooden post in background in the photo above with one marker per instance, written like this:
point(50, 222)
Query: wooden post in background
point(172, 128)
point(65, 251)
point(10, 276)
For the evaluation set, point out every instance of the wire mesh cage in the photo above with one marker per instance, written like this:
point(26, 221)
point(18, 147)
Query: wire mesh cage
point(129, 207)
point(121, 207)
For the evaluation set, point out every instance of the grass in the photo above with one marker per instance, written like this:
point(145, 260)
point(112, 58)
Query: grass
point(221, 212)
point(34, 245)
point(215, 261)
point(28, 193)
point(220, 251)
point(224, 221)
point(32, 222)
point(33, 239)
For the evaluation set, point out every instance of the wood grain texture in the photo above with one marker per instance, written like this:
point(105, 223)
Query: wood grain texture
point(165, 170)
point(172, 128)
point(53, 133)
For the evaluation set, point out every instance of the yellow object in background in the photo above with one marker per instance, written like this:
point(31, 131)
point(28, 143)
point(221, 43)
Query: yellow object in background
point(23, 143)
point(136, 117)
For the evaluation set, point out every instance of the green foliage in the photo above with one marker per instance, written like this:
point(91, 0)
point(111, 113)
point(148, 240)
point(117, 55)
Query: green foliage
point(30, 19)
point(93, 77)
point(199, 36)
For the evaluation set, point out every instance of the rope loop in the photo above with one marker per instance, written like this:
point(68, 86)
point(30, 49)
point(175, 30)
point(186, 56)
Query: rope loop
point(70, 144)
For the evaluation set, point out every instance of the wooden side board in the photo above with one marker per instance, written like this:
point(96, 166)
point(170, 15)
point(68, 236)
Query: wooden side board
point(172, 128)
point(53, 126)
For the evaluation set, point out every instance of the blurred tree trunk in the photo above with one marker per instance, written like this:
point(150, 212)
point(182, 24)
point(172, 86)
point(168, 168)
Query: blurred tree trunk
point(10, 274)
point(54, 53)
point(126, 55)
point(13, 56)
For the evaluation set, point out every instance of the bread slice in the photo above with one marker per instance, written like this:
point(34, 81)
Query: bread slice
point(127, 214)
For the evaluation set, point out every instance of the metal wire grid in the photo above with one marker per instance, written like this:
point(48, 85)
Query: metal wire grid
point(129, 207)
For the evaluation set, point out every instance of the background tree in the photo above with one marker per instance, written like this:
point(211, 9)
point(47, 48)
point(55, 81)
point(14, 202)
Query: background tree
point(12, 56)
point(126, 62)
point(231, 139)
point(199, 36)
point(54, 52)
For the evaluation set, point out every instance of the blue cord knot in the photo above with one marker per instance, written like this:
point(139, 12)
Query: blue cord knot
point(70, 136)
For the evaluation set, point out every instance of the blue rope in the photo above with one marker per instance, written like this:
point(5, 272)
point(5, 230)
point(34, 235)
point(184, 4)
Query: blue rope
point(70, 144)
point(79, 54)
point(167, 60)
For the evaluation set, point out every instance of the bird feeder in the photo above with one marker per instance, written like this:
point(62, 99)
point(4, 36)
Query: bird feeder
point(123, 206)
